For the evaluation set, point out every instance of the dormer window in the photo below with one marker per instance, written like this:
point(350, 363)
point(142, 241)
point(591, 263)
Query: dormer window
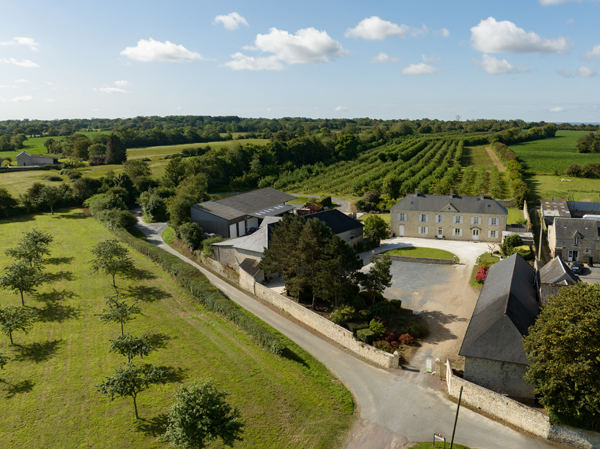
point(576, 241)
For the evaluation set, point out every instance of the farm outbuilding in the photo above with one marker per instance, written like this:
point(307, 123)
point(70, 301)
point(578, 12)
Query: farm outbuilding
point(25, 159)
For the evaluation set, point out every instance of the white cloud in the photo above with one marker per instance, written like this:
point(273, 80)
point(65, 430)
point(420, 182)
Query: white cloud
point(566, 73)
point(22, 80)
point(121, 83)
point(22, 63)
point(490, 36)
point(112, 90)
point(22, 99)
point(431, 58)
point(306, 46)
point(382, 58)
point(586, 72)
point(594, 53)
point(558, 2)
point(375, 28)
point(419, 69)
point(570, 21)
point(493, 65)
point(26, 41)
point(243, 62)
point(340, 108)
point(231, 21)
point(151, 51)
point(557, 109)
point(445, 32)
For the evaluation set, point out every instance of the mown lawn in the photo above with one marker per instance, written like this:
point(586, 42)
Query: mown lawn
point(384, 217)
point(417, 251)
point(48, 396)
point(515, 216)
point(548, 187)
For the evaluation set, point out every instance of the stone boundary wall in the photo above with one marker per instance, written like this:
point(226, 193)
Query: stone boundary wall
point(517, 414)
point(218, 268)
point(416, 259)
point(526, 215)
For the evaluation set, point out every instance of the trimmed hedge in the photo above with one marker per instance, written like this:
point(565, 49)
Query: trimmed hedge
point(195, 283)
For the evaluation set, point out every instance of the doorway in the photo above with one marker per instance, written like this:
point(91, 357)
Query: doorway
point(401, 231)
point(475, 234)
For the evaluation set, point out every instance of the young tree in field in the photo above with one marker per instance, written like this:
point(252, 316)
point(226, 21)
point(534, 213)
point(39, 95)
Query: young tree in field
point(564, 349)
point(200, 416)
point(20, 277)
point(119, 312)
point(132, 346)
point(116, 152)
point(52, 195)
point(111, 258)
point(7, 202)
point(32, 248)
point(15, 319)
point(137, 168)
point(131, 380)
point(379, 278)
point(376, 229)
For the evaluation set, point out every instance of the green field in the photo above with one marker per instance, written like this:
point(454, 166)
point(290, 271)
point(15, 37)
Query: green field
point(417, 251)
point(48, 395)
point(384, 217)
point(557, 153)
point(33, 145)
point(515, 216)
point(546, 187)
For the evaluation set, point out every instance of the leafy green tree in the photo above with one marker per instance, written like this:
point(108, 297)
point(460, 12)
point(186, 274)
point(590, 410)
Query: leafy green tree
point(15, 319)
point(192, 190)
point(376, 229)
point(20, 278)
point(119, 312)
point(52, 195)
point(7, 203)
point(191, 235)
point(32, 248)
point(174, 172)
point(137, 168)
point(564, 349)
point(116, 152)
point(379, 277)
point(131, 380)
point(131, 346)
point(154, 207)
point(111, 258)
point(202, 415)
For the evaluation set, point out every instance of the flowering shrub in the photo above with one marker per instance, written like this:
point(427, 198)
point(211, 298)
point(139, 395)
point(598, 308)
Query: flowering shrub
point(481, 274)
point(406, 339)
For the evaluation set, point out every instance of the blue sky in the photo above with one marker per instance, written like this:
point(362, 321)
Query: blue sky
point(530, 59)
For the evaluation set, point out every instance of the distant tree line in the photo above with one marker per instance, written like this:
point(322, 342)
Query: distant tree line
point(590, 143)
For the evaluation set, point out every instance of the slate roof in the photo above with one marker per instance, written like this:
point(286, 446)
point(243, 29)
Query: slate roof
point(255, 242)
point(505, 310)
point(437, 203)
point(557, 272)
point(260, 203)
point(567, 228)
point(43, 156)
point(338, 221)
point(250, 266)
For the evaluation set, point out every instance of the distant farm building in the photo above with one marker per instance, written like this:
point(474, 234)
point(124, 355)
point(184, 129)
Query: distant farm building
point(25, 159)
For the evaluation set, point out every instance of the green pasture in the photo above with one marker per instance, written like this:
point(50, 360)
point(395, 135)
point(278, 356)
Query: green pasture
point(477, 156)
point(162, 151)
point(417, 251)
point(33, 145)
point(548, 187)
point(556, 153)
point(48, 391)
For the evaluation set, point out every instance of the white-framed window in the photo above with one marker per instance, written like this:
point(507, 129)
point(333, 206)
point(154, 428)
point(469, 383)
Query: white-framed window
point(423, 218)
point(492, 234)
point(493, 221)
point(401, 216)
point(439, 218)
point(476, 220)
point(576, 240)
point(457, 219)
point(457, 232)
point(423, 230)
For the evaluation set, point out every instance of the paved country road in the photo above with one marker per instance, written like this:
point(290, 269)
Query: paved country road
point(395, 401)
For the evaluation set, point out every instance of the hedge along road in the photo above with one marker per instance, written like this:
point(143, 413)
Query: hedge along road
point(384, 398)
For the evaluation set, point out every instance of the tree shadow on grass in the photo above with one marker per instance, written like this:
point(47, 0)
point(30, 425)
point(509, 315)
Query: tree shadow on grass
point(25, 386)
point(75, 216)
point(61, 276)
point(138, 274)
point(146, 293)
point(56, 312)
point(37, 352)
point(174, 375)
point(159, 340)
point(59, 260)
point(291, 355)
point(55, 295)
point(153, 427)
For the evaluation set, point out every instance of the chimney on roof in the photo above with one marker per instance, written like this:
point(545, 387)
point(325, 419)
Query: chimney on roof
point(416, 192)
point(451, 193)
point(482, 196)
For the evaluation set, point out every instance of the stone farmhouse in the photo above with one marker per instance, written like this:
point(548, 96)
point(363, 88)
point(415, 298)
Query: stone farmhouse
point(552, 277)
point(452, 217)
point(493, 348)
point(574, 239)
point(26, 159)
point(235, 216)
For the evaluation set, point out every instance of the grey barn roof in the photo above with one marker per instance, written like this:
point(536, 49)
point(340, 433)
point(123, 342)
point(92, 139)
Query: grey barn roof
point(568, 228)
point(338, 221)
point(464, 204)
point(255, 242)
point(505, 310)
point(557, 271)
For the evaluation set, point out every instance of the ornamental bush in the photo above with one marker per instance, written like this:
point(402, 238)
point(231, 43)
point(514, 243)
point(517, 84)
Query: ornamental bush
point(406, 339)
point(377, 328)
point(379, 309)
point(343, 314)
point(481, 274)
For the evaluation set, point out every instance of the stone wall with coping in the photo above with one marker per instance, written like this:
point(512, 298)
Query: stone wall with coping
point(218, 268)
point(416, 259)
point(517, 414)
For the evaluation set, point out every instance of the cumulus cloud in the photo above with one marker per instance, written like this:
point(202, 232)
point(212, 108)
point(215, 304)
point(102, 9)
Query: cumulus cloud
point(586, 72)
point(121, 83)
point(231, 21)
point(25, 41)
point(22, 80)
point(306, 46)
point(22, 63)
point(445, 32)
point(340, 108)
point(594, 53)
point(557, 109)
point(243, 62)
point(112, 90)
point(490, 36)
point(155, 51)
point(431, 58)
point(382, 58)
point(493, 65)
point(22, 99)
point(566, 73)
point(419, 69)
point(375, 28)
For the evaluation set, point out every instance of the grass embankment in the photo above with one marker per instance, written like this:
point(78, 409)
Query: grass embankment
point(484, 259)
point(417, 251)
point(49, 398)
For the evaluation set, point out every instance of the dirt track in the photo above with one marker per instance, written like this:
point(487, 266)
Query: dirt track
point(494, 157)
